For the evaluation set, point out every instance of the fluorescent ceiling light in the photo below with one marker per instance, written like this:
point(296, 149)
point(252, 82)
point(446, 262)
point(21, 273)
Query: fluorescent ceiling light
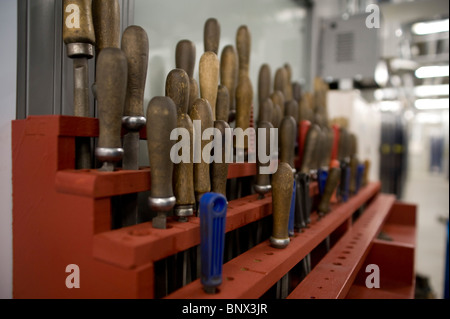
point(390, 106)
point(423, 28)
point(431, 104)
point(433, 71)
point(428, 118)
point(431, 90)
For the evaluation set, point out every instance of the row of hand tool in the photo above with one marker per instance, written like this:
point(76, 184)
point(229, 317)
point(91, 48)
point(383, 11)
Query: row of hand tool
point(310, 148)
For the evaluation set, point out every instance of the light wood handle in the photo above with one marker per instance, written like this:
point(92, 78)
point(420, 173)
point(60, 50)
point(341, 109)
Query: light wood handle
point(78, 26)
point(222, 104)
point(177, 88)
point(229, 66)
point(209, 79)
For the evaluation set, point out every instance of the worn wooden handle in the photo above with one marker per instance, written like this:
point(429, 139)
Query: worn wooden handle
point(334, 176)
point(243, 46)
point(282, 187)
point(161, 120)
point(353, 174)
point(263, 180)
point(244, 100)
point(264, 86)
point(184, 171)
point(229, 66)
point(291, 108)
point(278, 99)
point(135, 46)
point(288, 133)
point(185, 56)
point(266, 110)
point(201, 111)
point(177, 88)
point(106, 17)
point(222, 104)
point(277, 116)
point(366, 173)
point(211, 35)
point(280, 80)
point(111, 91)
point(297, 91)
point(219, 167)
point(310, 148)
point(289, 85)
point(78, 26)
point(209, 79)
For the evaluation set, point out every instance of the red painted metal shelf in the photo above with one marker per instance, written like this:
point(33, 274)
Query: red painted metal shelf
point(62, 216)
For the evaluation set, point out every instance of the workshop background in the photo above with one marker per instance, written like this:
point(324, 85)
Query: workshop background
point(383, 92)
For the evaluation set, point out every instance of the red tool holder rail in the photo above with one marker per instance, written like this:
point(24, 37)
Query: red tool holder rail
point(62, 216)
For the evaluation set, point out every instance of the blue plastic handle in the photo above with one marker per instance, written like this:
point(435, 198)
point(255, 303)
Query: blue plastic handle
point(359, 176)
point(292, 213)
point(213, 210)
point(322, 176)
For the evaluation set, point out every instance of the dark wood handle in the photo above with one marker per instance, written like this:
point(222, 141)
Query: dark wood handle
point(266, 110)
point(288, 133)
point(177, 88)
point(366, 172)
point(243, 46)
point(209, 79)
point(106, 17)
point(279, 83)
point(305, 107)
point(244, 100)
point(291, 108)
point(184, 171)
point(78, 26)
point(201, 111)
point(185, 56)
point(229, 66)
point(222, 104)
point(264, 86)
point(278, 99)
point(289, 85)
point(219, 171)
point(263, 179)
point(135, 47)
point(111, 91)
point(282, 187)
point(310, 148)
point(334, 176)
point(297, 91)
point(161, 120)
point(211, 35)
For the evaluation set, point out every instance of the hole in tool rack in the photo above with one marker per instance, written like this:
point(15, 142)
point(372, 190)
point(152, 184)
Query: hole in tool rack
point(268, 254)
point(229, 278)
point(337, 264)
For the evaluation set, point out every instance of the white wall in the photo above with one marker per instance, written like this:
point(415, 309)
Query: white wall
point(277, 27)
point(8, 58)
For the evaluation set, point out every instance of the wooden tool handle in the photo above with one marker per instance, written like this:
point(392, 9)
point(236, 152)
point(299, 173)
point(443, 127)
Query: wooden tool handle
point(366, 173)
point(278, 99)
point(209, 79)
point(211, 35)
point(243, 46)
point(291, 108)
point(184, 171)
point(282, 187)
point(161, 120)
point(297, 91)
point(106, 17)
point(177, 88)
point(185, 56)
point(135, 47)
point(334, 176)
point(264, 86)
point(288, 88)
point(219, 171)
point(222, 104)
point(310, 148)
point(288, 133)
point(262, 183)
point(78, 26)
point(111, 91)
point(279, 83)
point(201, 110)
point(277, 116)
point(229, 66)
point(265, 111)
point(244, 100)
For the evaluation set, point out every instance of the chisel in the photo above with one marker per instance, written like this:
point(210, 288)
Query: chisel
point(111, 91)
point(185, 59)
point(211, 35)
point(282, 186)
point(229, 66)
point(177, 88)
point(213, 210)
point(135, 46)
point(209, 79)
point(79, 37)
point(161, 120)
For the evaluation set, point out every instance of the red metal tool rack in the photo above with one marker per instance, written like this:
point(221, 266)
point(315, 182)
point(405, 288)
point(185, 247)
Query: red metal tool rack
point(62, 216)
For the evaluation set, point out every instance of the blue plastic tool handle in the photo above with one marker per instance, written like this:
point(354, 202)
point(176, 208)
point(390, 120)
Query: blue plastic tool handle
point(213, 210)
point(322, 176)
point(359, 176)
point(346, 188)
point(292, 213)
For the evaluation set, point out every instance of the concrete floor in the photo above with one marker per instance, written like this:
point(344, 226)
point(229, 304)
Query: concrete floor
point(430, 191)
